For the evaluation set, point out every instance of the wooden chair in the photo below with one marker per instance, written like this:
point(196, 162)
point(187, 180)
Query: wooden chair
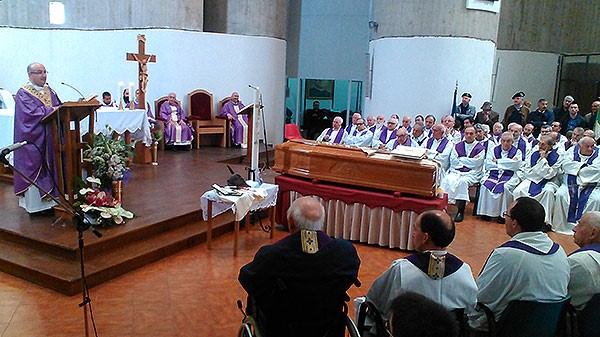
point(227, 121)
point(203, 119)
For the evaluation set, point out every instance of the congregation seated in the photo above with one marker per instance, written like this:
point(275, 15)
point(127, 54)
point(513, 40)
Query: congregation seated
point(431, 272)
point(579, 191)
point(299, 283)
point(414, 315)
point(177, 131)
point(529, 267)
point(585, 262)
point(335, 134)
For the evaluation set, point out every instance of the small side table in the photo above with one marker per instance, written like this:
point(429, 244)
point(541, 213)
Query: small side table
point(213, 206)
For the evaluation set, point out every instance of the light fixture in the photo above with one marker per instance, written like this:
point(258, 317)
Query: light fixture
point(57, 13)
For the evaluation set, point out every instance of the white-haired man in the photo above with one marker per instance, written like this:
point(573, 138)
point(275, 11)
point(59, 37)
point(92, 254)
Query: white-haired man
point(585, 262)
point(335, 134)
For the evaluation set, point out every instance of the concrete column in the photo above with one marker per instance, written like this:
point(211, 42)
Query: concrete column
point(109, 14)
point(247, 17)
point(419, 49)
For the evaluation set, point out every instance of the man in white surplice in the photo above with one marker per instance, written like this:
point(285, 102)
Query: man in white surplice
point(540, 175)
point(501, 164)
point(579, 192)
point(360, 137)
point(466, 164)
point(438, 146)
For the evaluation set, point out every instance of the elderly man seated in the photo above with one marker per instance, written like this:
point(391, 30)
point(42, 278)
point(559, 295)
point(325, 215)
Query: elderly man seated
point(402, 139)
point(432, 272)
point(299, 283)
point(529, 267)
point(386, 134)
point(585, 262)
point(360, 137)
point(335, 134)
point(501, 164)
point(177, 131)
point(438, 146)
point(579, 192)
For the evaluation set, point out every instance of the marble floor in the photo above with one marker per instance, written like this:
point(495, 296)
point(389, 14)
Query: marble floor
point(194, 292)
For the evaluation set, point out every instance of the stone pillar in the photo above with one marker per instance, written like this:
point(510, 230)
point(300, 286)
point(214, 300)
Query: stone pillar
point(246, 17)
point(419, 49)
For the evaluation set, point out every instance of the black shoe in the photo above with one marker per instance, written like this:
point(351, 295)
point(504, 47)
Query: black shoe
point(237, 146)
point(459, 217)
point(501, 220)
point(485, 218)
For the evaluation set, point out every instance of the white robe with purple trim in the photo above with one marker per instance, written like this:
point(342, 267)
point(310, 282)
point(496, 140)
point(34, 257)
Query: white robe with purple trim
point(497, 168)
point(585, 275)
point(456, 183)
point(586, 176)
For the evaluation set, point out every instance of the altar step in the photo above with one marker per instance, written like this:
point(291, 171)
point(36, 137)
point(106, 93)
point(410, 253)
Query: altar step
point(58, 268)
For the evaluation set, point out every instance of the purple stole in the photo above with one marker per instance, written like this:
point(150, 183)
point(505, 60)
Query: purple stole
point(408, 143)
point(338, 138)
point(383, 136)
point(421, 141)
point(462, 152)
point(536, 188)
point(522, 145)
point(568, 145)
point(362, 133)
point(348, 128)
point(373, 128)
point(421, 261)
point(440, 147)
point(577, 201)
point(531, 140)
point(430, 132)
point(594, 246)
point(494, 183)
point(409, 129)
point(529, 249)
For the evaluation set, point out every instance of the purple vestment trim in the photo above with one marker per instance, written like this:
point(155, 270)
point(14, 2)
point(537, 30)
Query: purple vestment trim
point(338, 137)
point(577, 201)
point(494, 183)
point(421, 261)
point(529, 249)
point(536, 188)
point(522, 145)
point(441, 145)
point(461, 149)
point(594, 246)
point(383, 136)
point(408, 143)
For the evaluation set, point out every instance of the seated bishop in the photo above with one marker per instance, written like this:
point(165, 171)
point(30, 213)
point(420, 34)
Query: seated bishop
point(466, 169)
point(501, 164)
point(361, 137)
point(335, 134)
point(579, 191)
point(239, 123)
point(177, 131)
point(540, 176)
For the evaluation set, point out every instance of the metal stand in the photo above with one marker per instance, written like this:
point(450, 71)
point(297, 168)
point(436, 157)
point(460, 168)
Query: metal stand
point(83, 224)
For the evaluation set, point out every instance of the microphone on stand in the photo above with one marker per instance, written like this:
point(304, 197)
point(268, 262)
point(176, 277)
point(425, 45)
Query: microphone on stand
point(5, 151)
point(72, 87)
point(253, 87)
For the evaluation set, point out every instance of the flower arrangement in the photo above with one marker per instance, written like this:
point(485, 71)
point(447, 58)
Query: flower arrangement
point(109, 158)
point(103, 209)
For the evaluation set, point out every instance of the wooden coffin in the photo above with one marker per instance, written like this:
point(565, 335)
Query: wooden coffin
point(352, 166)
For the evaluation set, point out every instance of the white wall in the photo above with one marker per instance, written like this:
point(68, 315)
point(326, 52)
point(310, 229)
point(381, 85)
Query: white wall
point(334, 38)
point(94, 61)
point(417, 75)
point(531, 72)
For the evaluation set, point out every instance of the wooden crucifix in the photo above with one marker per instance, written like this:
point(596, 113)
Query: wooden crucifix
point(142, 59)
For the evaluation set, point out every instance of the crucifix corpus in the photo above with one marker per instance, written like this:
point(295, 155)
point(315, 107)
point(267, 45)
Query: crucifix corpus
point(142, 59)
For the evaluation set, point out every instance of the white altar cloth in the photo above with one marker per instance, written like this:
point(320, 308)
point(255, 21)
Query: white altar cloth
point(134, 121)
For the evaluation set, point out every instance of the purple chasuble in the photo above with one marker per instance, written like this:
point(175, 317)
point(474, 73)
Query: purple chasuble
point(237, 134)
point(170, 129)
point(421, 261)
point(494, 183)
point(338, 137)
point(461, 149)
point(30, 109)
point(536, 188)
point(577, 200)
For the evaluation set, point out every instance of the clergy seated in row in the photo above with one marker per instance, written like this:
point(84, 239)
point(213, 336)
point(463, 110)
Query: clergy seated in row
point(579, 191)
point(540, 176)
point(431, 272)
point(518, 140)
point(361, 136)
point(385, 135)
point(585, 262)
point(402, 139)
point(466, 163)
point(418, 135)
point(439, 146)
point(177, 131)
point(351, 127)
point(335, 134)
point(239, 123)
point(495, 192)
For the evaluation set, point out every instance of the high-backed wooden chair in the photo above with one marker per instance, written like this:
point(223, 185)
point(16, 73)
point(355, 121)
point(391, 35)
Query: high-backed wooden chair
point(202, 117)
point(227, 121)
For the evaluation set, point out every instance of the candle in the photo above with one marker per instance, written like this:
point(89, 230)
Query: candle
point(120, 93)
point(131, 95)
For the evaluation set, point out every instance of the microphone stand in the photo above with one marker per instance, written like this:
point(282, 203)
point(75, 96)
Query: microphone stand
point(83, 224)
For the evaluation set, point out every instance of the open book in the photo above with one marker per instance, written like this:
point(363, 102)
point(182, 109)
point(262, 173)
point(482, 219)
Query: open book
point(410, 152)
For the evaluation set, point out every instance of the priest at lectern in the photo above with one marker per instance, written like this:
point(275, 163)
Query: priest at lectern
point(239, 123)
point(33, 102)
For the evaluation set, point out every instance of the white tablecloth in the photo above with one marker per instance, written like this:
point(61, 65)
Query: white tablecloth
point(134, 121)
point(219, 206)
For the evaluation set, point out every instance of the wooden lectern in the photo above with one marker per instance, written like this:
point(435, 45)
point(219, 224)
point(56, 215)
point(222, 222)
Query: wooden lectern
point(67, 143)
point(248, 110)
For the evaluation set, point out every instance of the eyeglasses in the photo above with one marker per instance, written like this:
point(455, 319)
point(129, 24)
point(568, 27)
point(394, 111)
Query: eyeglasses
point(360, 123)
point(38, 72)
point(506, 215)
